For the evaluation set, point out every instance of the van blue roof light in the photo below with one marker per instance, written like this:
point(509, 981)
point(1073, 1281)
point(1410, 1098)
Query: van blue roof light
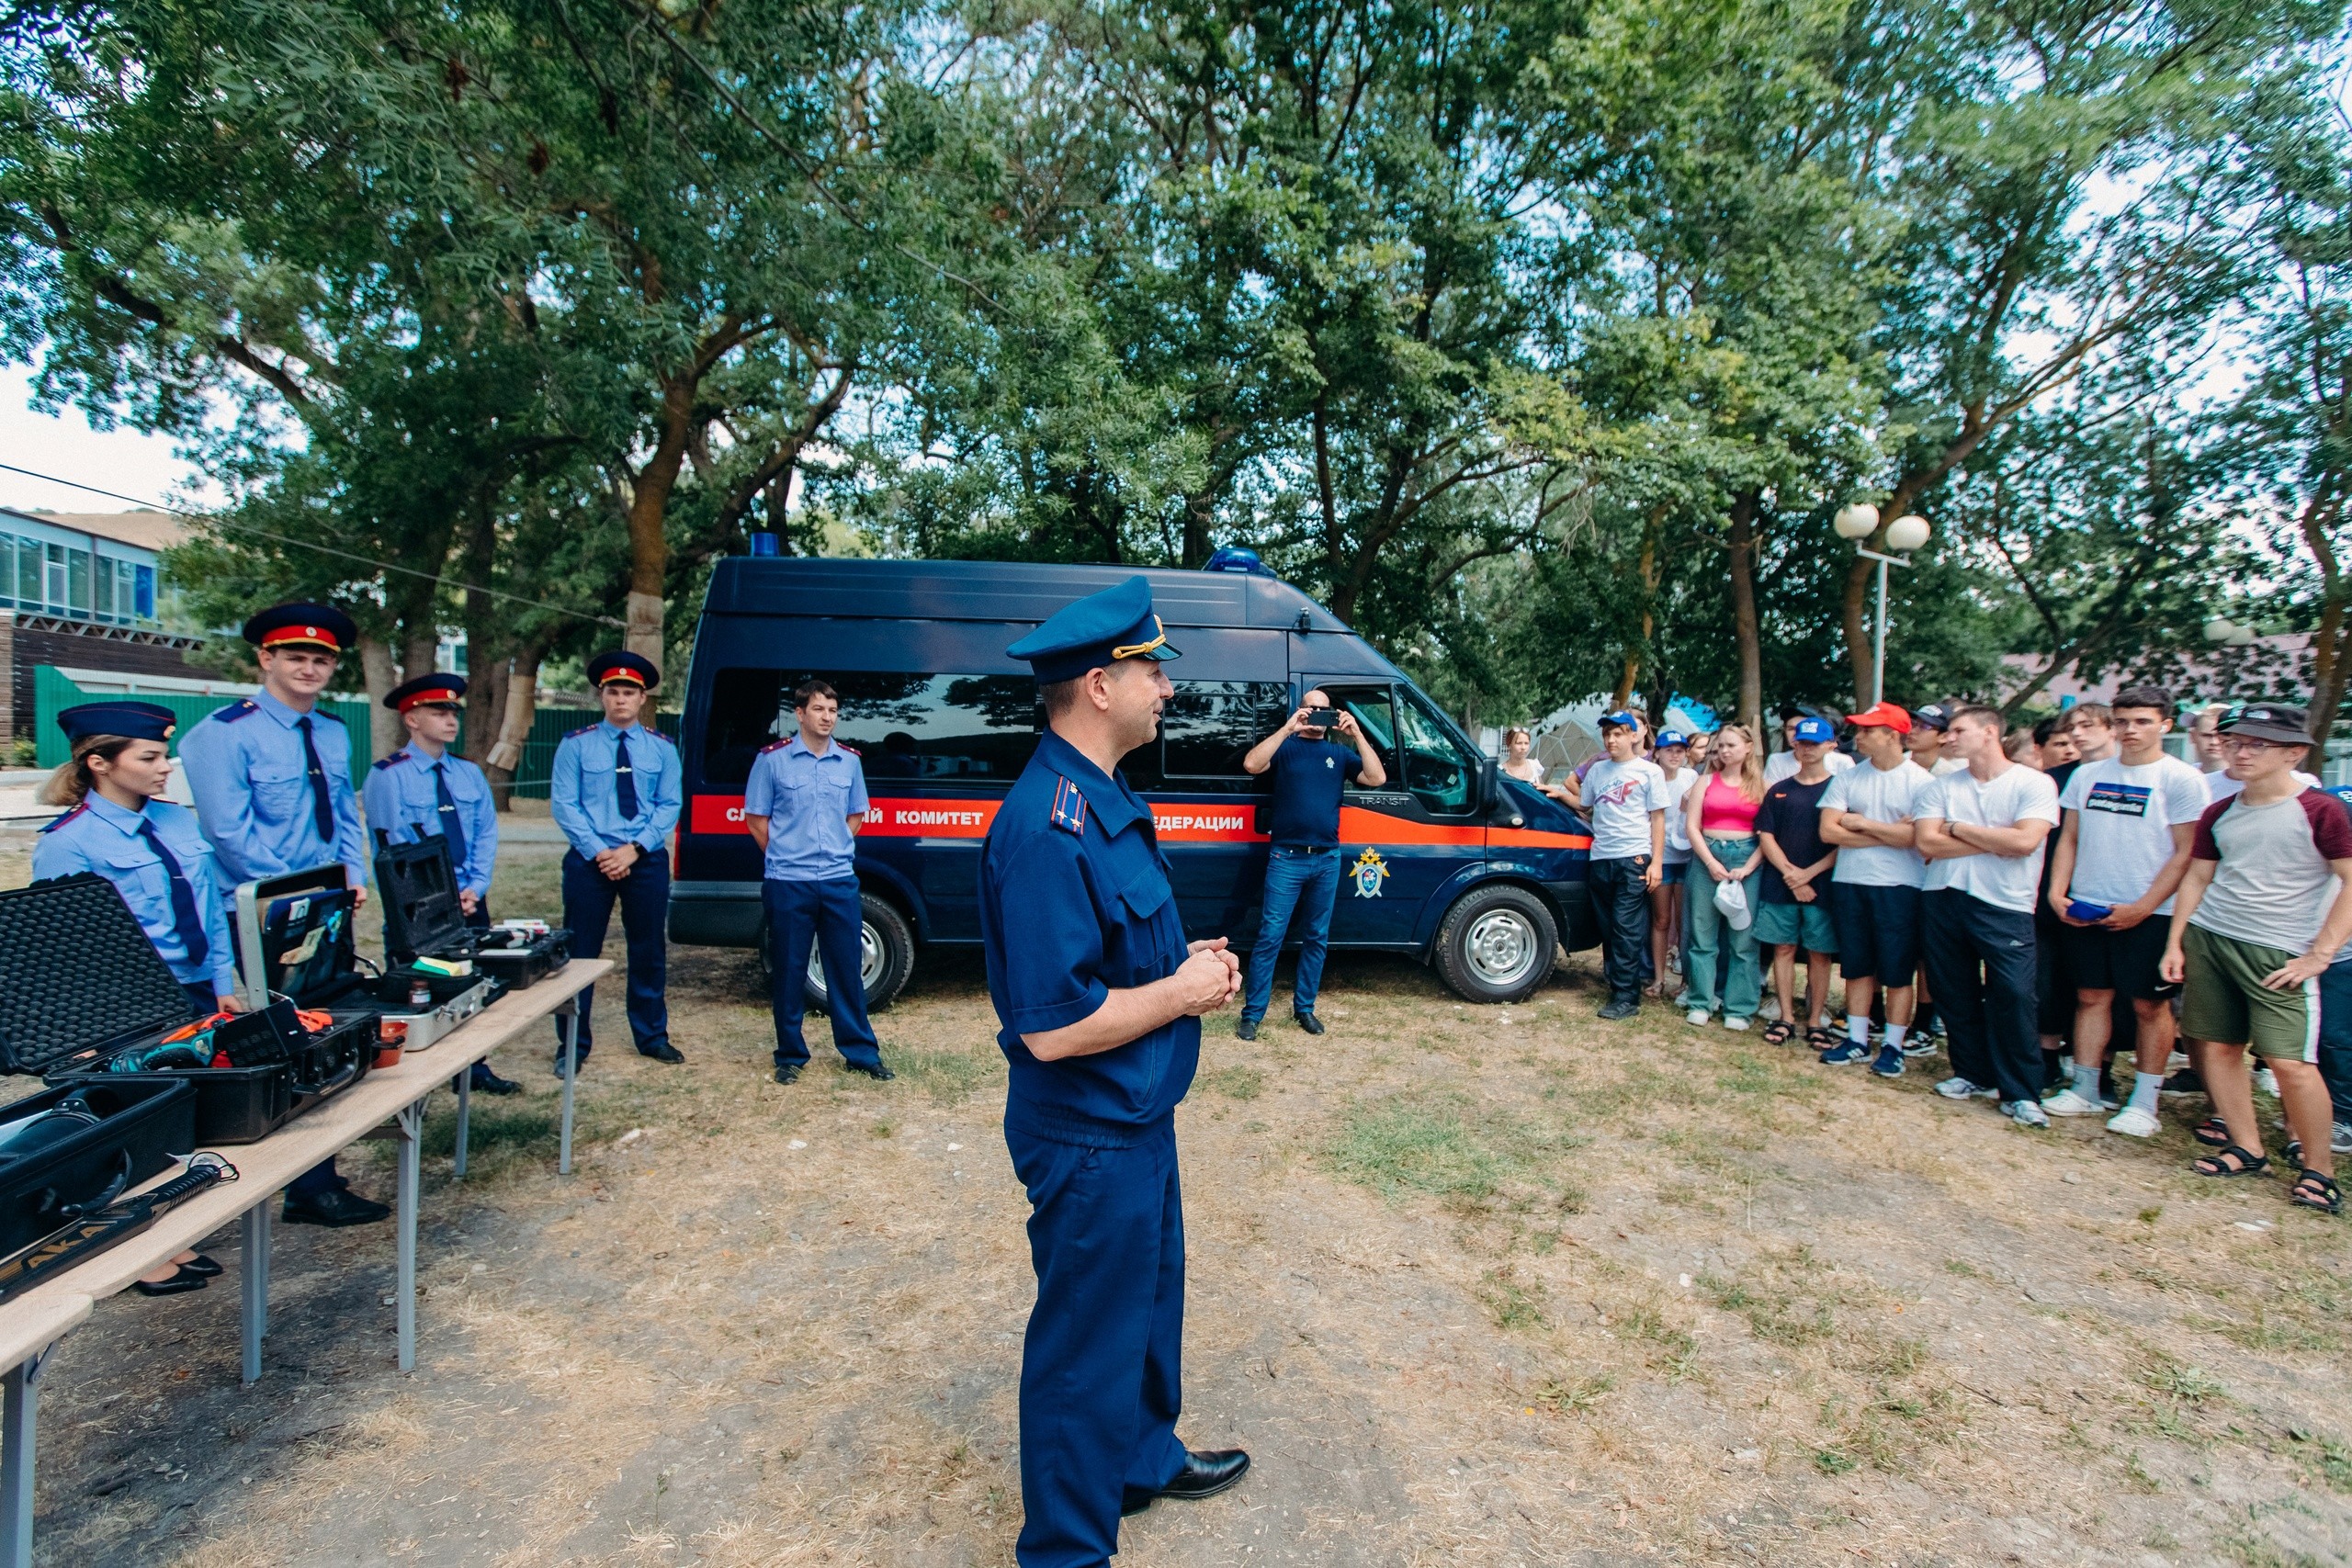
point(1236, 558)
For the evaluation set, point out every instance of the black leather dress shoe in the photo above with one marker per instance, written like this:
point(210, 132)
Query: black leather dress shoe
point(202, 1265)
point(877, 1071)
point(178, 1284)
point(581, 1059)
point(335, 1206)
point(1203, 1475)
point(488, 1082)
point(1245, 1029)
point(1308, 1022)
point(665, 1052)
point(788, 1073)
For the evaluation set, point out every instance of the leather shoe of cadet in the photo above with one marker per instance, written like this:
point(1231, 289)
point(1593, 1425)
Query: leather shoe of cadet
point(581, 1059)
point(1203, 1475)
point(788, 1073)
point(665, 1052)
point(877, 1071)
point(335, 1206)
point(1308, 1022)
point(488, 1082)
point(1245, 1029)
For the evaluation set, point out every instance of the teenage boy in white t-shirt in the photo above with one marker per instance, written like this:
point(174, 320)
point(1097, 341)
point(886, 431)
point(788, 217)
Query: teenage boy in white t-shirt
point(1625, 799)
point(1672, 755)
point(1874, 890)
point(1982, 832)
point(2122, 850)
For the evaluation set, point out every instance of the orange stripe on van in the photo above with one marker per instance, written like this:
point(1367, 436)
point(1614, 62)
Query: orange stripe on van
point(1358, 826)
point(1535, 838)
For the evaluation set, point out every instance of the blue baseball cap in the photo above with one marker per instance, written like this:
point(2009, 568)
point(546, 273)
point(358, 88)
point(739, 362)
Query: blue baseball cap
point(1622, 719)
point(1815, 729)
point(1672, 737)
point(1098, 630)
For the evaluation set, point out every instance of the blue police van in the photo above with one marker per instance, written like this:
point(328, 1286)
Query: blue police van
point(1452, 862)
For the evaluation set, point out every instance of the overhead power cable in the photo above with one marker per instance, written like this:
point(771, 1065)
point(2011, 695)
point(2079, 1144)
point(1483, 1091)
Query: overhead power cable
point(216, 520)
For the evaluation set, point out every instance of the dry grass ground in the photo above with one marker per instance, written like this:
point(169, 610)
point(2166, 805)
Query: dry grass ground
point(1475, 1286)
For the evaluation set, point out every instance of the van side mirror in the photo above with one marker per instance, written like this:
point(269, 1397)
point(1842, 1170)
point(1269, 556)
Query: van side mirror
point(1490, 786)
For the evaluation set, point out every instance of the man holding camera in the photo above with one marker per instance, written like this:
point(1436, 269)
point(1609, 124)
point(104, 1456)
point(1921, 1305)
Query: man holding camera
point(1310, 771)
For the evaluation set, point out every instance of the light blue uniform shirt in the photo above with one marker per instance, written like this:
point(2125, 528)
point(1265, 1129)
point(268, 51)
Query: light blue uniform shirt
point(808, 800)
point(102, 837)
point(402, 806)
point(252, 785)
point(586, 798)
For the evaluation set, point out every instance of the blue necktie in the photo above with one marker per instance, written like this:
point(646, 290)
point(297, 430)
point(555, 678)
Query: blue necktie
point(452, 829)
point(322, 808)
point(184, 915)
point(623, 775)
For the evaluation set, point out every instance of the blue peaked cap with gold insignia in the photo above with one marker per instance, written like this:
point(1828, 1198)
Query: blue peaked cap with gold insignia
point(132, 721)
point(1098, 629)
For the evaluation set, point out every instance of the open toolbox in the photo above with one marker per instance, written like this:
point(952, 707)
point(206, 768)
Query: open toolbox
point(70, 1151)
point(295, 942)
point(419, 887)
point(90, 999)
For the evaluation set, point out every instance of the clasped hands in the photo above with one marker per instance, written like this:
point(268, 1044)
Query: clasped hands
point(1209, 978)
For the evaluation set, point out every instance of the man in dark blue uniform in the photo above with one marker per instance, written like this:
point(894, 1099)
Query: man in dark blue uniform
point(1100, 997)
point(615, 796)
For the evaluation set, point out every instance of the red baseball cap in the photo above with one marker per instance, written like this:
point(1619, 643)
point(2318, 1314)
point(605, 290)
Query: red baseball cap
point(1891, 714)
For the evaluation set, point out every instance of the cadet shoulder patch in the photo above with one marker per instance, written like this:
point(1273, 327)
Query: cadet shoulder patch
point(1070, 807)
point(776, 746)
point(68, 816)
point(243, 707)
point(851, 749)
point(382, 763)
point(583, 730)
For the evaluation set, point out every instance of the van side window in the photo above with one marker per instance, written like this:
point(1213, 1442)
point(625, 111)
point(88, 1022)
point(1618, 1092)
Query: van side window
point(938, 728)
point(1438, 772)
point(1209, 726)
point(1376, 714)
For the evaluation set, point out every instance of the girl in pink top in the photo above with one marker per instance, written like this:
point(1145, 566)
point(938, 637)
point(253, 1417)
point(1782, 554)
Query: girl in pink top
point(1723, 849)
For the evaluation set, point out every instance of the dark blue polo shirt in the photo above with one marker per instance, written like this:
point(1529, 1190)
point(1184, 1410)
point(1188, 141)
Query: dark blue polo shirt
point(1308, 777)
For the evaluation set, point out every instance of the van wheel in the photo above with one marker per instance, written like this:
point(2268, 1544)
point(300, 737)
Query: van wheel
point(886, 964)
point(1497, 945)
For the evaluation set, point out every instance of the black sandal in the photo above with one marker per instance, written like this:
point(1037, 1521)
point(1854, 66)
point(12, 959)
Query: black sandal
point(1779, 1032)
point(2248, 1163)
point(2213, 1133)
point(1820, 1037)
point(2312, 1191)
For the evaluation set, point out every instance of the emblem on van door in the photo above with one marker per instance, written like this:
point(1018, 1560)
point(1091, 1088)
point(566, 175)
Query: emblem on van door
point(1370, 871)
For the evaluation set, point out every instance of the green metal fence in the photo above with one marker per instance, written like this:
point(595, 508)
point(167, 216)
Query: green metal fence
point(52, 691)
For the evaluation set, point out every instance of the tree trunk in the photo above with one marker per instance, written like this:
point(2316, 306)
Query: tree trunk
point(649, 511)
point(1629, 678)
point(1199, 514)
point(1745, 625)
point(385, 734)
point(485, 704)
point(513, 728)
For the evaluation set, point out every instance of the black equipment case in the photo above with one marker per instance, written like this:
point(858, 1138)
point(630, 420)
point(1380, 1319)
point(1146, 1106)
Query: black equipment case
point(69, 1151)
point(88, 997)
point(301, 925)
point(421, 917)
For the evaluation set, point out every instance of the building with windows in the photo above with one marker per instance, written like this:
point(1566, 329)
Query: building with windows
point(86, 591)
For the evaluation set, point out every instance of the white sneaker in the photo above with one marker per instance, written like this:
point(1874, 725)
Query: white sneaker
point(2025, 1113)
point(2131, 1122)
point(1674, 963)
point(1738, 1025)
point(2266, 1081)
point(2067, 1103)
point(1957, 1087)
point(1771, 1011)
point(1698, 1015)
point(2342, 1142)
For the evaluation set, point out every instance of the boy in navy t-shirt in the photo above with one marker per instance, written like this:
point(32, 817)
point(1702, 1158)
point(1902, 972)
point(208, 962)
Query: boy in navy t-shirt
point(1311, 769)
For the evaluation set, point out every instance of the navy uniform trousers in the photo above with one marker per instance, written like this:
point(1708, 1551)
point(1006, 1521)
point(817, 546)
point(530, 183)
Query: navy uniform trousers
point(1101, 1366)
point(829, 916)
point(644, 899)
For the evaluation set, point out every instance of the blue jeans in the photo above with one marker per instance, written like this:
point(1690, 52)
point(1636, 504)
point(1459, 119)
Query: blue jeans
point(1709, 933)
point(2336, 1036)
point(828, 916)
point(1308, 881)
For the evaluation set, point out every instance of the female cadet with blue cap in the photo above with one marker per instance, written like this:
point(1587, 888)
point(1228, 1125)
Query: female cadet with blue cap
point(1101, 999)
point(123, 828)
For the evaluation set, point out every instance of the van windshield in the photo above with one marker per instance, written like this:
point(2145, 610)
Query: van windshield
point(935, 727)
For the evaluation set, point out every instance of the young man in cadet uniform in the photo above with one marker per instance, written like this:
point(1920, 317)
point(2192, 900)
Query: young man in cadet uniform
point(1100, 996)
point(423, 791)
point(615, 796)
point(272, 781)
point(804, 803)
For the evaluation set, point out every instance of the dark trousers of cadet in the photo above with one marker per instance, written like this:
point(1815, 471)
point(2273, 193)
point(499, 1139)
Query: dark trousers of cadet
point(322, 1177)
point(826, 915)
point(1101, 1366)
point(644, 899)
point(1620, 906)
point(1980, 964)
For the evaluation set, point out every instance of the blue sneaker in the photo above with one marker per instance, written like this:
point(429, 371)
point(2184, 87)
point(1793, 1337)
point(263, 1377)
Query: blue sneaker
point(1845, 1053)
point(1890, 1062)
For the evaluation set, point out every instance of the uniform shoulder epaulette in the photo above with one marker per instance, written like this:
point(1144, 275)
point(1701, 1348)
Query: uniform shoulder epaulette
point(243, 707)
point(776, 746)
point(323, 712)
point(68, 816)
point(382, 763)
point(576, 733)
point(658, 736)
point(851, 749)
point(1070, 807)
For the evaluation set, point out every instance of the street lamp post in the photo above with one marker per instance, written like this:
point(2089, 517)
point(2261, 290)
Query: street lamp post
point(1859, 522)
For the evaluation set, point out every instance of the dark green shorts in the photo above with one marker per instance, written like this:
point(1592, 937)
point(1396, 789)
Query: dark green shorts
point(2223, 999)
